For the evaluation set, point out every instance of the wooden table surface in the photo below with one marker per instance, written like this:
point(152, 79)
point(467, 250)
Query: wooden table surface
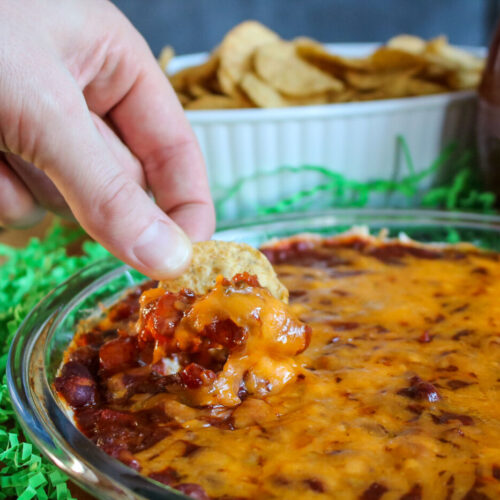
point(20, 237)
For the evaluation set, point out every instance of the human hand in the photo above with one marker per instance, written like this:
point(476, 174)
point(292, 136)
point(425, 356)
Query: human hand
point(88, 122)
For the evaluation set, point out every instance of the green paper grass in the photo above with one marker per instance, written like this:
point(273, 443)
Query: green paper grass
point(27, 276)
point(30, 273)
point(336, 190)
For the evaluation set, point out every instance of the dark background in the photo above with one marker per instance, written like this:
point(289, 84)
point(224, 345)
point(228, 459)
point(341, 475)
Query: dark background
point(198, 25)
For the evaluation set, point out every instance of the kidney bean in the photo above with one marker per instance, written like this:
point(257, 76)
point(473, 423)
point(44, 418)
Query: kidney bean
point(420, 389)
point(76, 385)
point(118, 355)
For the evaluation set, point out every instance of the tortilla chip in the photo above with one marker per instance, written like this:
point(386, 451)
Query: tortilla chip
point(402, 86)
point(435, 71)
point(346, 95)
point(464, 79)
point(452, 57)
point(254, 67)
point(178, 80)
point(195, 77)
point(417, 86)
point(408, 43)
point(214, 258)
point(211, 101)
point(372, 81)
point(279, 65)
point(395, 88)
point(372, 95)
point(389, 59)
point(236, 53)
point(183, 98)
point(261, 93)
point(166, 55)
point(311, 100)
point(315, 54)
point(198, 90)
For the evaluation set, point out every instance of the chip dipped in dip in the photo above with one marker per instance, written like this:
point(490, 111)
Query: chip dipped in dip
point(235, 339)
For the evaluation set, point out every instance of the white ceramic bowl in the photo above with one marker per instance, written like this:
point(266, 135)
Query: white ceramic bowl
point(358, 140)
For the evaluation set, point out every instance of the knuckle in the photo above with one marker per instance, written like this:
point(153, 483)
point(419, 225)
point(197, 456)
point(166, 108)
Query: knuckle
point(117, 198)
point(16, 123)
point(65, 103)
point(157, 159)
point(28, 127)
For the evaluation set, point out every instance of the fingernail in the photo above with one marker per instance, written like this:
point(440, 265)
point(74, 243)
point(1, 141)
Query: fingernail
point(163, 249)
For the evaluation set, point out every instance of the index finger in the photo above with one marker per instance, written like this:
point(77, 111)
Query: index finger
point(151, 121)
point(154, 126)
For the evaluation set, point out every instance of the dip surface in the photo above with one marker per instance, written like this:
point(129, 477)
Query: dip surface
point(396, 397)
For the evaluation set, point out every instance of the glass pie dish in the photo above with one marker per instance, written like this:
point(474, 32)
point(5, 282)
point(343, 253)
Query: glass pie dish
point(38, 347)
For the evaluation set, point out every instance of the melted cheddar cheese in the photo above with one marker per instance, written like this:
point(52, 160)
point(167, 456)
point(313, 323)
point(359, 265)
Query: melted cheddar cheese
point(396, 397)
point(261, 345)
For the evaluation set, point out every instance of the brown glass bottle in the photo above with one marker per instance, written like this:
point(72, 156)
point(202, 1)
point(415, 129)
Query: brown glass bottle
point(489, 118)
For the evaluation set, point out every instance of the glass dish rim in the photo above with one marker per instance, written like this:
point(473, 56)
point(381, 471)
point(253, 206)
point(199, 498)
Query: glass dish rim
point(413, 216)
point(52, 444)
